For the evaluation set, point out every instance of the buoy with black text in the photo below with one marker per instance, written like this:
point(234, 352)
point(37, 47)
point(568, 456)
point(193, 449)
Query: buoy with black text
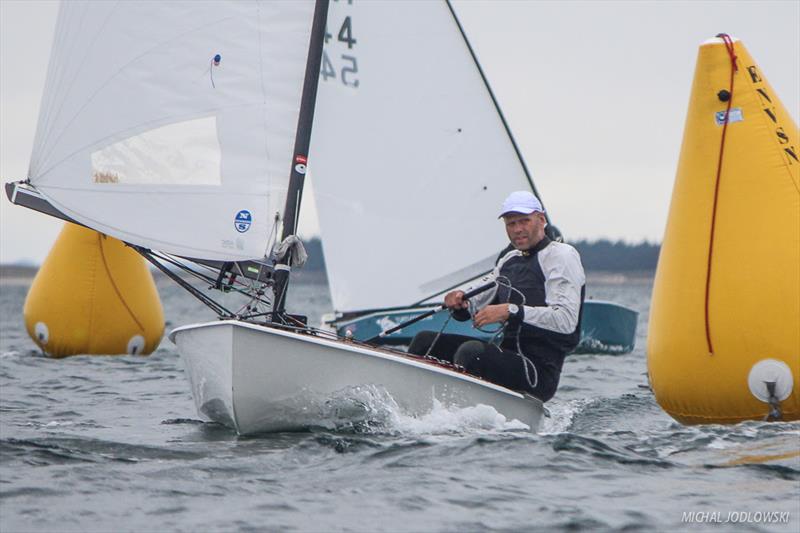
point(93, 295)
point(724, 335)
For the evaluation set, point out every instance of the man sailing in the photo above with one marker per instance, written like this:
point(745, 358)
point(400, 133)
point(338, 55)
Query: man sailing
point(540, 287)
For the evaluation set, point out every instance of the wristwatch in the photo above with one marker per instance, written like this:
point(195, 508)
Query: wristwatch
point(513, 309)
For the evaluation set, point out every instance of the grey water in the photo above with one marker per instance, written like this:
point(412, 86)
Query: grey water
point(115, 444)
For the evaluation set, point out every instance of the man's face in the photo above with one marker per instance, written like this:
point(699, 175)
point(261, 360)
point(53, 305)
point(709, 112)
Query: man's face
point(525, 231)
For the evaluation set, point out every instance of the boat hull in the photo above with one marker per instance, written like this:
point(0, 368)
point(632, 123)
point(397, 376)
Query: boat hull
point(606, 327)
point(257, 379)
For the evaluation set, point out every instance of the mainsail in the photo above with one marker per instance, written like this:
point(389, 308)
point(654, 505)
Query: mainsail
point(170, 125)
point(173, 126)
point(410, 155)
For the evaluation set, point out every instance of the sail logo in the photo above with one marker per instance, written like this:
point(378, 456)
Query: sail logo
point(243, 221)
point(300, 164)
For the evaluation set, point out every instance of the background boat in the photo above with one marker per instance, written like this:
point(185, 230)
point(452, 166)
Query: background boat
point(606, 327)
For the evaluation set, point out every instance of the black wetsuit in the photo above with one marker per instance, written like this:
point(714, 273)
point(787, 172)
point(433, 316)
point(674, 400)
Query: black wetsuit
point(548, 288)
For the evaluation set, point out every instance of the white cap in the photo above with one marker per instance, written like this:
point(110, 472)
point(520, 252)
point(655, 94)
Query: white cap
point(523, 202)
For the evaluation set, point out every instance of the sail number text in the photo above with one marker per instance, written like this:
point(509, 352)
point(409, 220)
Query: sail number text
point(343, 67)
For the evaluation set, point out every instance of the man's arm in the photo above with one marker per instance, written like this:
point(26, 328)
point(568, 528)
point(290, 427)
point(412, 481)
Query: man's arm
point(564, 279)
point(459, 307)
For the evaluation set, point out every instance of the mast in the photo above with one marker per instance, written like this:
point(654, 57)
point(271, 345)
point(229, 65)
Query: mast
point(302, 140)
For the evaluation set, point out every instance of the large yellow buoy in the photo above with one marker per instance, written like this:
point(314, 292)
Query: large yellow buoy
point(93, 295)
point(724, 336)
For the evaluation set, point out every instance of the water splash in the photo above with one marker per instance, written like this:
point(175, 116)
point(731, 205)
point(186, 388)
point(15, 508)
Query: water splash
point(455, 420)
point(371, 409)
point(562, 414)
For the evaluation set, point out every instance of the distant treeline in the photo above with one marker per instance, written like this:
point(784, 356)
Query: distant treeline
point(605, 255)
point(617, 256)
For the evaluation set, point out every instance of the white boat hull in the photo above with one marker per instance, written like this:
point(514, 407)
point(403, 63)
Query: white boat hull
point(256, 378)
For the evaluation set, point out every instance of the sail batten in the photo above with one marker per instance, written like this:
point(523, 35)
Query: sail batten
point(145, 97)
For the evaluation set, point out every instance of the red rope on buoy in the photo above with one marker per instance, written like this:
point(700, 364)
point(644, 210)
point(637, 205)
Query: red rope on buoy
point(734, 68)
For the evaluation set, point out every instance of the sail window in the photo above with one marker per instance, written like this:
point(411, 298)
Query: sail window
point(183, 153)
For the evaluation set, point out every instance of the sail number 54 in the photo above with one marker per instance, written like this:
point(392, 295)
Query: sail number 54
point(347, 63)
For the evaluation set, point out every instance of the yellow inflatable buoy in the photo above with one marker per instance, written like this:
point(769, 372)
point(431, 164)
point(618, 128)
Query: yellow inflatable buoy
point(724, 336)
point(93, 295)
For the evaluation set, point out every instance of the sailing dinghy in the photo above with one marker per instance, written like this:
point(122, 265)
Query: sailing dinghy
point(184, 130)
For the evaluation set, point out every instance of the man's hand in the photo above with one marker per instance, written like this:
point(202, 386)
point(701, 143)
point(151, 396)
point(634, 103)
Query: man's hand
point(491, 314)
point(455, 300)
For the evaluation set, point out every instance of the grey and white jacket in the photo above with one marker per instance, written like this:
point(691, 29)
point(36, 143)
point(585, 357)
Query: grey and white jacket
point(547, 284)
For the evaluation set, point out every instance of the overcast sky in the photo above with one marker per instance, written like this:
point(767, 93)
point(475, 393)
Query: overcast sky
point(595, 94)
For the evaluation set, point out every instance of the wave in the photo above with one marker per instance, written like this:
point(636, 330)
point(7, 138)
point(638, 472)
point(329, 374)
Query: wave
point(65, 450)
point(372, 410)
point(582, 445)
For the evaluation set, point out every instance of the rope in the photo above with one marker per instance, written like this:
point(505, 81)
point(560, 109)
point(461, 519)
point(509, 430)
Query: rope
point(100, 239)
point(503, 281)
point(439, 334)
point(734, 68)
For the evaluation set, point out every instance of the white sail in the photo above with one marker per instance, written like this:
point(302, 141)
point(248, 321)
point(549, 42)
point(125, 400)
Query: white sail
point(410, 158)
point(143, 135)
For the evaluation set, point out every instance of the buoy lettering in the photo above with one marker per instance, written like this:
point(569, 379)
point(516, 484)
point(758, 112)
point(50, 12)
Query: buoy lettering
point(766, 101)
point(770, 111)
point(754, 74)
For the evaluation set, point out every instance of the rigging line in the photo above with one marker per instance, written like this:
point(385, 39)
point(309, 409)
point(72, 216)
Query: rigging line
point(439, 334)
point(504, 281)
point(100, 239)
point(183, 267)
point(186, 268)
point(217, 308)
point(236, 281)
point(273, 232)
point(252, 304)
point(444, 291)
point(207, 279)
point(131, 61)
point(330, 335)
point(729, 47)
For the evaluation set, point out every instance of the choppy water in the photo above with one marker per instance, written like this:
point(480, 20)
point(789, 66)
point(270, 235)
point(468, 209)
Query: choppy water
point(113, 443)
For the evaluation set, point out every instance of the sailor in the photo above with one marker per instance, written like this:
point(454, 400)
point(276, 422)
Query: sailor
point(540, 287)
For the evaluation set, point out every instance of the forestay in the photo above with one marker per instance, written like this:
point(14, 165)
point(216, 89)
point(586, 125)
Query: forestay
point(410, 159)
point(170, 124)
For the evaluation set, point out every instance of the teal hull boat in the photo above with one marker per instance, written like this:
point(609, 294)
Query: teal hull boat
point(606, 327)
